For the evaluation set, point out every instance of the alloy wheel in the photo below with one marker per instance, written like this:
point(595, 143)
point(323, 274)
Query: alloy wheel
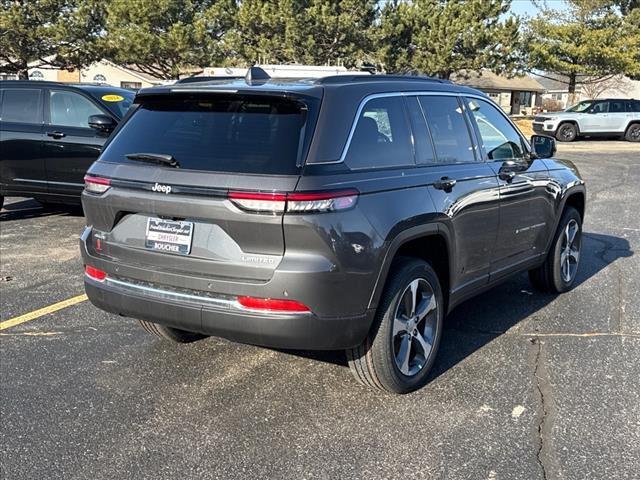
point(414, 327)
point(634, 133)
point(566, 132)
point(570, 251)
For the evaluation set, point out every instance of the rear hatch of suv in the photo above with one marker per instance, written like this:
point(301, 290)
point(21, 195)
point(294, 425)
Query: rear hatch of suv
point(191, 183)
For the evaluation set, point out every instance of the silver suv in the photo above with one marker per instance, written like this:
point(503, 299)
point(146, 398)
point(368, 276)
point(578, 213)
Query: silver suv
point(593, 118)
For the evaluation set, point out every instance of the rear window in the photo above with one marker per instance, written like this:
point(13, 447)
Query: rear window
point(230, 133)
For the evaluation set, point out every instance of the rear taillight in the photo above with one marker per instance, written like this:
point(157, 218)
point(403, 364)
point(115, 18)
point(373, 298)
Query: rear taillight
point(272, 304)
point(296, 202)
point(259, 201)
point(96, 184)
point(321, 201)
point(94, 273)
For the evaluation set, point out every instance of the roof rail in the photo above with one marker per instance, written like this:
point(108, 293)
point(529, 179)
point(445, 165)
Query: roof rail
point(334, 79)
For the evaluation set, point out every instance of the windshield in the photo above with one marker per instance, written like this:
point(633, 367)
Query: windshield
point(222, 133)
point(580, 107)
point(116, 101)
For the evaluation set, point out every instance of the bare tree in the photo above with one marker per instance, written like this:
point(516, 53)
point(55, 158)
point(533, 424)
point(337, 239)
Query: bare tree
point(594, 87)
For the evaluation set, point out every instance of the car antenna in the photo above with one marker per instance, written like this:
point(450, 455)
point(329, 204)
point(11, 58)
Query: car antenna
point(256, 76)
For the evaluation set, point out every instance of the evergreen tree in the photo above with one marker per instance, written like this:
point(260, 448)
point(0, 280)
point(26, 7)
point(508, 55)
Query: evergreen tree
point(440, 37)
point(166, 38)
point(305, 31)
point(584, 40)
point(53, 33)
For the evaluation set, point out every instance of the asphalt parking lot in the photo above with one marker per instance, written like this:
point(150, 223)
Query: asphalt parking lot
point(526, 386)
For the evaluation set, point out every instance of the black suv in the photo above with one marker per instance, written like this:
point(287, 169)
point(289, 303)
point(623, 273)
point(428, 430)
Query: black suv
point(50, 133)
point(343, 213)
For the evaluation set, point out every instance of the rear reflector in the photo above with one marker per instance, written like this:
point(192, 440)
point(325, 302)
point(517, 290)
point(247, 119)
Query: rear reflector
point(296, 202)
point(96, 184)
point(272, 305)
point(95, 273)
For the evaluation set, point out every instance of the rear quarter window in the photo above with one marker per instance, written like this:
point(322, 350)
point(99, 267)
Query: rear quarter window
point(381, 137)
point(222, 133)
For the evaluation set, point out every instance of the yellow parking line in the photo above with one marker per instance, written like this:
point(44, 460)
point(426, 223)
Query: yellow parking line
point(12, 322)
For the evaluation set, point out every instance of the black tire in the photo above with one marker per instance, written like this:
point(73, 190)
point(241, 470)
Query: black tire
point(169, 333)
point(567, 132)
point(550, 276)
point(633, 133)
point(373, 362)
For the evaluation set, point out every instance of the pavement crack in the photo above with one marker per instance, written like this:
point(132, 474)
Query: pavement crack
point(544, 413)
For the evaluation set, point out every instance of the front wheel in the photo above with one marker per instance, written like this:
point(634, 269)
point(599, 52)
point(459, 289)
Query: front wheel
point(169, 333)
point(567, 132)
point(559, 271)
point(633, 133)
point(401, 346)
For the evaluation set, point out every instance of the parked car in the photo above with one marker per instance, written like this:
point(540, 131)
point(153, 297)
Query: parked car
point(343, 213)
point(51, 132)
point(590, 118)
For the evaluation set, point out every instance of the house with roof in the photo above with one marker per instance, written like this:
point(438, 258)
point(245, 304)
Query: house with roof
point(103, 71)
point(556, 96)
point(518, 95)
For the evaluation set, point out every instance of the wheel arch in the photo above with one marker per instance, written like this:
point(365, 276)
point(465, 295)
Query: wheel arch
point(575, 197)
point(427, 242)
point(572, 122)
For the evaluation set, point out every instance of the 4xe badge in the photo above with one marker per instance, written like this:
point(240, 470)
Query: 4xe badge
point(161, 188)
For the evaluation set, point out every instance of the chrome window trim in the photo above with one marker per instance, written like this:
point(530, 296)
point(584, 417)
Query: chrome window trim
point(373, 96)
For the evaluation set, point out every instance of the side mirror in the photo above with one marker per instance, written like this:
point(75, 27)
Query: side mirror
point(543, 146)
point(102, 123)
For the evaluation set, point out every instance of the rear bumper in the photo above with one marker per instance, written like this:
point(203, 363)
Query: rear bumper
point(296, 331)
point(220, 315)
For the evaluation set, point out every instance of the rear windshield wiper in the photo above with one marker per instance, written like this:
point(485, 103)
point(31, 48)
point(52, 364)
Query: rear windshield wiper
point(154, 158)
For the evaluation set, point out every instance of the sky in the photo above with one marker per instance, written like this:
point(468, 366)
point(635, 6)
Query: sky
point(522, 7)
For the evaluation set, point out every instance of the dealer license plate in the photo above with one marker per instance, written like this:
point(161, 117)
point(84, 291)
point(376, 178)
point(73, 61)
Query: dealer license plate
point(169, 236)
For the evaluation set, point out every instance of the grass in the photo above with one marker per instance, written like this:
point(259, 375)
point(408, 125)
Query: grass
point(525, 126)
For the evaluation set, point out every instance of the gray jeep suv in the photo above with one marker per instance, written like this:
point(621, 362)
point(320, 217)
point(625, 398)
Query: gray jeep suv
point(341, 213)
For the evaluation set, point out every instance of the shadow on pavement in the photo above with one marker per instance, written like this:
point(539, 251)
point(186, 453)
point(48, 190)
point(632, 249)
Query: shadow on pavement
point(30, 208)
point(480, 320)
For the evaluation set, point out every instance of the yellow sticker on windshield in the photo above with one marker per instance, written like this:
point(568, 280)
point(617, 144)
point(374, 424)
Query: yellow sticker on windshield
point(112, 98)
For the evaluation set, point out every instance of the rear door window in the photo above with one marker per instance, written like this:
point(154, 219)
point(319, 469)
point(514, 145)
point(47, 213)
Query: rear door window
point(421, 135)
point(616, 106)
point(449, 129)
point(222, 133)
point(381, 137)
point(21, 105)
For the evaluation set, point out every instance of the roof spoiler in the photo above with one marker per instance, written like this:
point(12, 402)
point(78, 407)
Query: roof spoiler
point(256, 76)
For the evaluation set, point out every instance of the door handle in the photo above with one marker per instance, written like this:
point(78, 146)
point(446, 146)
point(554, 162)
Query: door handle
point(445, 183)
point(56, 134)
